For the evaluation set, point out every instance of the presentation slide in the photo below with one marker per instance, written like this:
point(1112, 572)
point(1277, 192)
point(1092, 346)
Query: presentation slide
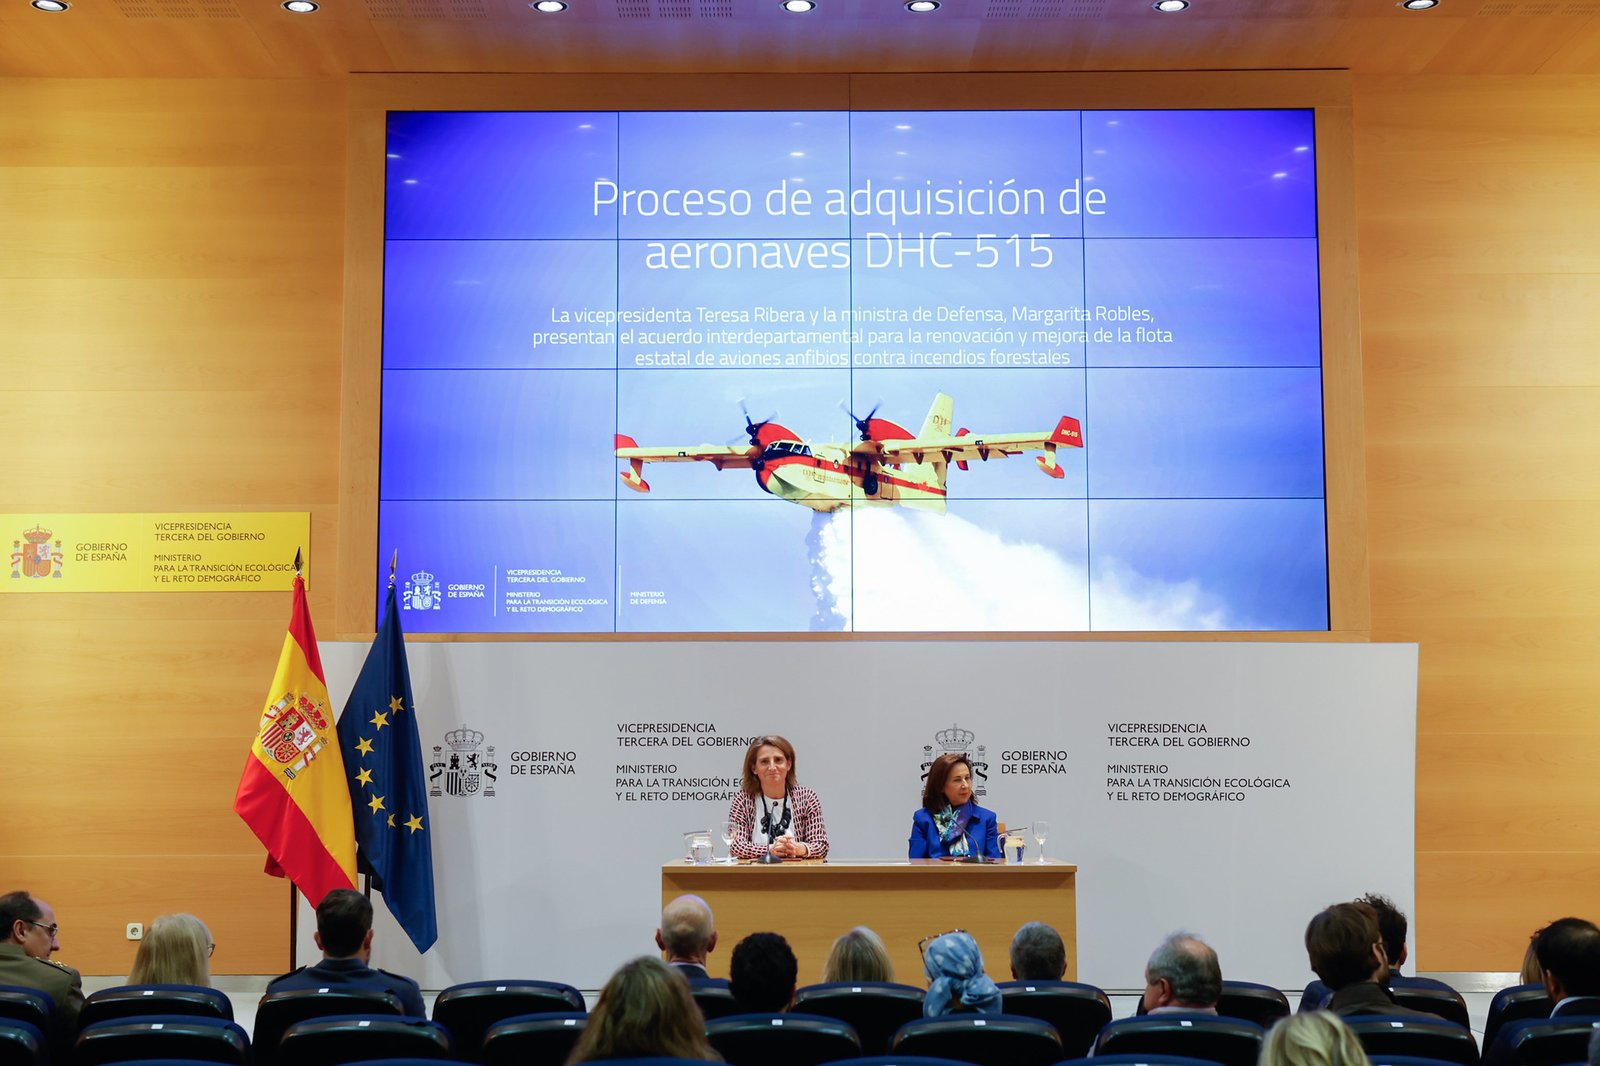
point(741, 372)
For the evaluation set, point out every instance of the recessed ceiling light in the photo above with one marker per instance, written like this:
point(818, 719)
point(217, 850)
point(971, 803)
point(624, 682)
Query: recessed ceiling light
point(922, 7)
point(799, 7)
point(549, 7)
point(1169, 6)
point(53, 6)
point(300, 7)
point(1418, 5)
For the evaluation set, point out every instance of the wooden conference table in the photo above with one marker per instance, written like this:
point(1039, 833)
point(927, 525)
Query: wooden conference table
point(813, 902)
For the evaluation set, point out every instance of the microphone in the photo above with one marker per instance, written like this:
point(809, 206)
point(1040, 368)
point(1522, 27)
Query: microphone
point(971, 855)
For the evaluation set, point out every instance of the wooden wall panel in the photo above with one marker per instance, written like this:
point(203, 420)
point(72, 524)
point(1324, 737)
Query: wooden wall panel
point(170, 299)
point(1478, 280)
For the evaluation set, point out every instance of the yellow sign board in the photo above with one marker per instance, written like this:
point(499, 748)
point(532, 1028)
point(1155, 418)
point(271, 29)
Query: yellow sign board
point(235, 552)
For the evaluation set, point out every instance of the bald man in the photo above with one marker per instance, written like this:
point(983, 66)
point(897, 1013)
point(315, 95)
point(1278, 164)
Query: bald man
point(687, 935)
point(30, 939)
point(1182, 976)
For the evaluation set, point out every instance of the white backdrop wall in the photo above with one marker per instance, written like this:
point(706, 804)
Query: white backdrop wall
point(1229, 789)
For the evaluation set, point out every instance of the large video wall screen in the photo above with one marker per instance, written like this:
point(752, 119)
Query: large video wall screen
point(859, 371)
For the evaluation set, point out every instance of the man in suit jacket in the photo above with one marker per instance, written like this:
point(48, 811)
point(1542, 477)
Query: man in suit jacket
point(29, 928)
point(1568, 950)
point(688, 933)
point(1346, 951)
point(344, 933)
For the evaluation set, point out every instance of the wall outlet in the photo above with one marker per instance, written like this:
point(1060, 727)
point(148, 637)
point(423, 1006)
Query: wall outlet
point(135, 930)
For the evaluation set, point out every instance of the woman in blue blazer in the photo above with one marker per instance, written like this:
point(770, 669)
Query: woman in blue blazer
point(950, 825)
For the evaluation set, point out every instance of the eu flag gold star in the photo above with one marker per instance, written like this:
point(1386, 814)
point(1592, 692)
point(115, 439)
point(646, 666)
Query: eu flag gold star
point(364, 777)
point(376, 804)
point(391, 821)
point(364, 746)
point(380, 720)
point(396, 704)
point(414, 822)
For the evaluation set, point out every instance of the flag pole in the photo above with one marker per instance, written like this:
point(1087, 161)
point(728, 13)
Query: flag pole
point(366, 875)
point(294, 893)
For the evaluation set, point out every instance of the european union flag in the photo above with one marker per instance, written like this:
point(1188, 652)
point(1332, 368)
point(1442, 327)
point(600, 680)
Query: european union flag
point(388, 794)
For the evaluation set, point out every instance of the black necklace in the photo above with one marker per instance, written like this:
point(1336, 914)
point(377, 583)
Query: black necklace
point(774, 831)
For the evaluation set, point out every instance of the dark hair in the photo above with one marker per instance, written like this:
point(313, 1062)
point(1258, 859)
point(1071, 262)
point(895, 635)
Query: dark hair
point(1340, 941)
point(644, 1010)
point(762, 973)
point(17, 907)
point(1391, 925)
point(933, 798)
point(343, 918)
point(1570, 949)
point(1037, 953)
point(751, 784)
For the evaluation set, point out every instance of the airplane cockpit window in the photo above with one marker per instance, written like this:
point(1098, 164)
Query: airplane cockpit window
point(786, 447)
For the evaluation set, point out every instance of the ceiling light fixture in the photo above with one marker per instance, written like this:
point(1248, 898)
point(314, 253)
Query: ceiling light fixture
point(55, 7)
point(922, 7)
point(1167, 7)
point(1418, 5)
point(549, 7)
point(799, 7)
point(300, 7)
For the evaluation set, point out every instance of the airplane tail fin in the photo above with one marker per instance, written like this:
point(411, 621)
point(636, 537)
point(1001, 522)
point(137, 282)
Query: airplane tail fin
point(940, 421)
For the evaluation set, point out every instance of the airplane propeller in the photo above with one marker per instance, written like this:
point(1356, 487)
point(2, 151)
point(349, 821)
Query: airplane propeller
point(863, 424)
point(752, 427)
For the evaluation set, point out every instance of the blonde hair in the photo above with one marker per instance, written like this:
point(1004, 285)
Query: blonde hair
point(644, 1010)
point(176, 950)
point(1532, 973)
point(1315, 1038)
point(859, 955)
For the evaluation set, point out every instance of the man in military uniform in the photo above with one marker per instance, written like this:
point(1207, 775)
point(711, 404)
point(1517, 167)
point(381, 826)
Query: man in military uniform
point(344, 933)
point(30, 939)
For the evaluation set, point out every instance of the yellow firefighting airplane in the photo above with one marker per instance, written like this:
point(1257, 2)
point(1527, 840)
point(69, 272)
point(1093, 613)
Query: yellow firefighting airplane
point(888, 465)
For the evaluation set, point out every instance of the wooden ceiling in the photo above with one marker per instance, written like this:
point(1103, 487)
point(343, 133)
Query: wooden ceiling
point(258, 39)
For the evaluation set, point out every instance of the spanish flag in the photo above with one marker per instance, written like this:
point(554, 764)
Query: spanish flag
point(293, 793)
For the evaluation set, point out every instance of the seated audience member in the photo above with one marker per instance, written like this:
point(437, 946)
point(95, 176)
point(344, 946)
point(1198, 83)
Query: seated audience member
point(762, 974)
point(29, 930)
point(1532, 973)
point(1315, 1038)
point(1037, 954)
point(645, 1010)
point(176, 950)
point(1569, 956)
point(1346, 951)
point(1392, 926)
point(344, 933)
point(859, 955)
point(1183, 975)
point(688, 934)
point(956, 981)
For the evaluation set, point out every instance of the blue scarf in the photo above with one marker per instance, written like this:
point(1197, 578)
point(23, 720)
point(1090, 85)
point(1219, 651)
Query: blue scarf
point(955, 967)
point(952, 825)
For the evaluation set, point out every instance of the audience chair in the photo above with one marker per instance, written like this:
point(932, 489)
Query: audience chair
point(1431, 996)
point(900, 1060)
point(1315, 997)
point(1228, 1041)
point(714, 1001)
point(137, 1001)
point(874, 1009)
point(335, 1041)
point(1406, 1060)
point(162, 1036)
point(30, 1005)
point(279, 1010)
point(1550, 1042)
point(468, 1010)
point(1253, 1002)
point(532, 1039)
point(1077, 1011)
point(985, 1039)
point(1514, 1004)
point(781, 1039)
point(22, 1044)
point(1147, 1060)
point(1428, 1038)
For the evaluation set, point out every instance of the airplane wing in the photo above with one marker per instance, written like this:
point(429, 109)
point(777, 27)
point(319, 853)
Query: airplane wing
point(721, 456)
point(965, 446)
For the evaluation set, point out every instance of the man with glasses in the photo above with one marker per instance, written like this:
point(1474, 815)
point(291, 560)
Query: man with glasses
point(30, 939)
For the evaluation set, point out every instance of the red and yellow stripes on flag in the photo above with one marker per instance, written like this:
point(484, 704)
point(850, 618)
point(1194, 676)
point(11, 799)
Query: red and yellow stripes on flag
point(293, 793)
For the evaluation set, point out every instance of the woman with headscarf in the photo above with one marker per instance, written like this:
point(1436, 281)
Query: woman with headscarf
point(956, 981)
point(950, 824)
